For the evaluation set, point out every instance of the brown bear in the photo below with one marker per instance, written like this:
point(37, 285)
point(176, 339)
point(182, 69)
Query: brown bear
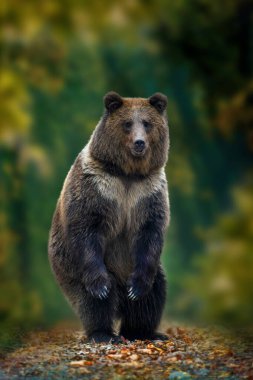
point(108, 227)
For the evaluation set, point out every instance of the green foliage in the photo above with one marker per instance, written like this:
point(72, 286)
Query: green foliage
point(225, 270)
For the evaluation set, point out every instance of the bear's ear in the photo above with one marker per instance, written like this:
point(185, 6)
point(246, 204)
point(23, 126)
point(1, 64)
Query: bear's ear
point(112, 101)
point(159, 101)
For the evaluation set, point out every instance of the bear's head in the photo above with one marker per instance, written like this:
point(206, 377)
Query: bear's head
point(132, 137)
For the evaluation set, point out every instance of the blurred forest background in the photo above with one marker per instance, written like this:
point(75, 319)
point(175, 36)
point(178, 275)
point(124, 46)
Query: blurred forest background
point(58, 60)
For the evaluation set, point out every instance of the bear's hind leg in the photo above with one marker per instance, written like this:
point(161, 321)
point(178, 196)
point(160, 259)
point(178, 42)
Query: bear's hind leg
point(140, 318)
point(97, 315)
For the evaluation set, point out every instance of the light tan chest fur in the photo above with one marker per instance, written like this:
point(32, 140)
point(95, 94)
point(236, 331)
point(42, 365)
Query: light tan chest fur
point(126, 196)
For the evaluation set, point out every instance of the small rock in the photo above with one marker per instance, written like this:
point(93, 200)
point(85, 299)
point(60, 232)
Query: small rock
point(178, 375)
point(202, 372)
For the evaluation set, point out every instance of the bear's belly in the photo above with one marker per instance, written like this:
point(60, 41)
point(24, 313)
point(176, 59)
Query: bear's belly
point(118, 256)
point(129, 211)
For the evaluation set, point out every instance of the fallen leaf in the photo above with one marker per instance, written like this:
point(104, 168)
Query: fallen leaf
point(115, 356)
point(80, 363)
point(145, 351)
point(132, 364)
point(134, 357)
point(83, 370)
point(77, 363)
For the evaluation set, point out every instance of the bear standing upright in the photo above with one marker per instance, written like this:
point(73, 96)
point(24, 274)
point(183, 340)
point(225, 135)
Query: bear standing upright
point(108, 227)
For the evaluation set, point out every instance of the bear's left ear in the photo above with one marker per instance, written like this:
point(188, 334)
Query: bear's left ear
point(112, 101)
point(159, 101)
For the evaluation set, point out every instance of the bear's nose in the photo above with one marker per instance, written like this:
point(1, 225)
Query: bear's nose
point(139, 145)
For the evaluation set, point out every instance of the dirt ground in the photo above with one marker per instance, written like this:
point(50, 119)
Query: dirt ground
point(189, 353)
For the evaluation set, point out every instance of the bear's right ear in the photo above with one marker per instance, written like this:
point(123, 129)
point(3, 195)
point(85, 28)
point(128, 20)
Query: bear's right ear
point(112, 101)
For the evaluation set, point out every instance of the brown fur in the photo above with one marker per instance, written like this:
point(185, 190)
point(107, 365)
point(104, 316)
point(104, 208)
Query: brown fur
point(111, 144)
point(108, 228)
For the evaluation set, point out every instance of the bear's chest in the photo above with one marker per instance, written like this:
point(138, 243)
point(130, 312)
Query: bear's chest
point(128, 200)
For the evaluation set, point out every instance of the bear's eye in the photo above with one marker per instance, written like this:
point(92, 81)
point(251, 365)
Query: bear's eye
point(147, 125)
point(127, 125)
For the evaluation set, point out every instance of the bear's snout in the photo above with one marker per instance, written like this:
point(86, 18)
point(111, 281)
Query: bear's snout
point(139, 145)
point(138, 148)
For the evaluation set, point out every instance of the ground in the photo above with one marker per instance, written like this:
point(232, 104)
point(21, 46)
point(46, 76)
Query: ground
point(189, 353)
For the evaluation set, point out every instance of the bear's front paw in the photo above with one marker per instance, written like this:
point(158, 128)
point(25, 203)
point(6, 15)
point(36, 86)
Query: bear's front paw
point(137, 287)
point(99, 288)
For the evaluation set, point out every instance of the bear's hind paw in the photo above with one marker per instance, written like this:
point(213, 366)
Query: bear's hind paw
point(103, 337)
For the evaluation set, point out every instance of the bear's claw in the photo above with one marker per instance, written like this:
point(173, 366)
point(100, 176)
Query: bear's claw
point(99, 292)
point(103, 293)
point(132, 294)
